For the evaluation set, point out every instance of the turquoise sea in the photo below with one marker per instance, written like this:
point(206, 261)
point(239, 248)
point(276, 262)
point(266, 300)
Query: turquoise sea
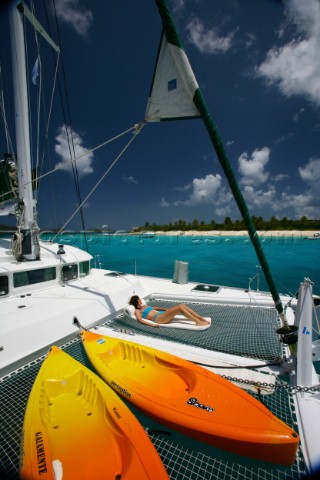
point(220, 259)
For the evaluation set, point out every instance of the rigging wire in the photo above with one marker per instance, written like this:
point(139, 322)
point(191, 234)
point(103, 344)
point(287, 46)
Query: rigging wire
point(138, 128)
point(38, 95)
point(68, 125)
point(4, 115)
point(54, 170)
point(46, 143)
point(56, 61)
point(39, 176)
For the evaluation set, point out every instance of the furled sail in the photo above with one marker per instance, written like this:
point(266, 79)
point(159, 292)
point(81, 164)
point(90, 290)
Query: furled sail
point(180, 59)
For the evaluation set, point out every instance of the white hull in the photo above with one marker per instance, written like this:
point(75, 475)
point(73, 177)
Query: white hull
point(36, 316)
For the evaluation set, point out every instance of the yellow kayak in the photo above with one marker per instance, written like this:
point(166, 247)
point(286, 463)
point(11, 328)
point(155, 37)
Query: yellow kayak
point(190, 399)
point(76, 427)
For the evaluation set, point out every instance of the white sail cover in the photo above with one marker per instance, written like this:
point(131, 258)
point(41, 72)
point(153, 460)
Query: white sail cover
point(173, 86)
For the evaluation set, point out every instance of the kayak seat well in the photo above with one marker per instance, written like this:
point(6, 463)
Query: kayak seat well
point(82, 392)
point(83, 400)
point(157, 375)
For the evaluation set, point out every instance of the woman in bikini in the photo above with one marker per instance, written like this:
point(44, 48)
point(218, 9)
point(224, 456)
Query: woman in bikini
point(163, 315)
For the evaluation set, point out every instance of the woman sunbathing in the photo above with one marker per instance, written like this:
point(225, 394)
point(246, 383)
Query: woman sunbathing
point(163, 315)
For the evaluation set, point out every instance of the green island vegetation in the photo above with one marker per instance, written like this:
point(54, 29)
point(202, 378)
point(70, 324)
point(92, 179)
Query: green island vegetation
point(228, 224)
point(237, 225)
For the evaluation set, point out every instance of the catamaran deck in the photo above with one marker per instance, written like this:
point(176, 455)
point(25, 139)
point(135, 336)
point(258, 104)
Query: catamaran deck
point(239, 331)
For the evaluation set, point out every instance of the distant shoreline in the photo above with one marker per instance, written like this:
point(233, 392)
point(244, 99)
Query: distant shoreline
point(233, 233)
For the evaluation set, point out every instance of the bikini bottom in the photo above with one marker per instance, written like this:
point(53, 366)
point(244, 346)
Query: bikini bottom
point(155, 317)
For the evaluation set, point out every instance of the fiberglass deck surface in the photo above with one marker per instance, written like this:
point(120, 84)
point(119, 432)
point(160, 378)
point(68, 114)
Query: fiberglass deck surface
point(184, 458)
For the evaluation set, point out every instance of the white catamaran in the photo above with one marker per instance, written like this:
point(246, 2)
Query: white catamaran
point(264, 342)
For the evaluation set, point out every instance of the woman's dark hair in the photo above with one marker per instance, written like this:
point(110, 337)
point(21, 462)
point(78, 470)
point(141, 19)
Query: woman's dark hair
point(134, 301)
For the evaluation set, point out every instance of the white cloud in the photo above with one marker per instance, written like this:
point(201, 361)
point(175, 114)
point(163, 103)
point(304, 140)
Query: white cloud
point(298, 115)
point(65, 144)
point(250, 40)
point(130, 179)
point(283, 138)
point(204, 191)
point(164, 203)
point(280, 176)
point(311, 171)
point(263, 197)
point(292, 200)
point(178, 5)
point(284, 203)
point(295, 67)
point(304, 14)
point(225, 211)
point(310, 174)
point(208, 40)
point(253, 169)
point(185, 188)
point(78, 17)
point(304, 204)
point(258, 198)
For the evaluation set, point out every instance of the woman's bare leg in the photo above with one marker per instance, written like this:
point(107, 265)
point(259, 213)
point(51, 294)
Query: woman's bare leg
point(181, 309)
point(189, 313)
point(192, 312)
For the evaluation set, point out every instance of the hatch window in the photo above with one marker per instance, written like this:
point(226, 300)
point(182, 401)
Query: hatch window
point(69, 272)
point(84, 269)
point(4, 285)
point(20, 279)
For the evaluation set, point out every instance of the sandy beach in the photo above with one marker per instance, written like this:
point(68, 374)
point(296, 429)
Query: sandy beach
point(241, 233)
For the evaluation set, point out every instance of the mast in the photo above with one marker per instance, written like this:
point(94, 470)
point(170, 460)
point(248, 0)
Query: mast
point(191, 86)
point(26, 239)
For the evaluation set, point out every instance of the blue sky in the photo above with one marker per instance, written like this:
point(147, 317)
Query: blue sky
point(258, 65)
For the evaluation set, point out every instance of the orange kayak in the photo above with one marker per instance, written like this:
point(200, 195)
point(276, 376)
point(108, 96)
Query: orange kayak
point(76, 427)
point(190, 399)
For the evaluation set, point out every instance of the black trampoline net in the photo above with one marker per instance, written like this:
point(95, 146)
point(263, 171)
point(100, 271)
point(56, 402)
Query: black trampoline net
point(183, 457)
